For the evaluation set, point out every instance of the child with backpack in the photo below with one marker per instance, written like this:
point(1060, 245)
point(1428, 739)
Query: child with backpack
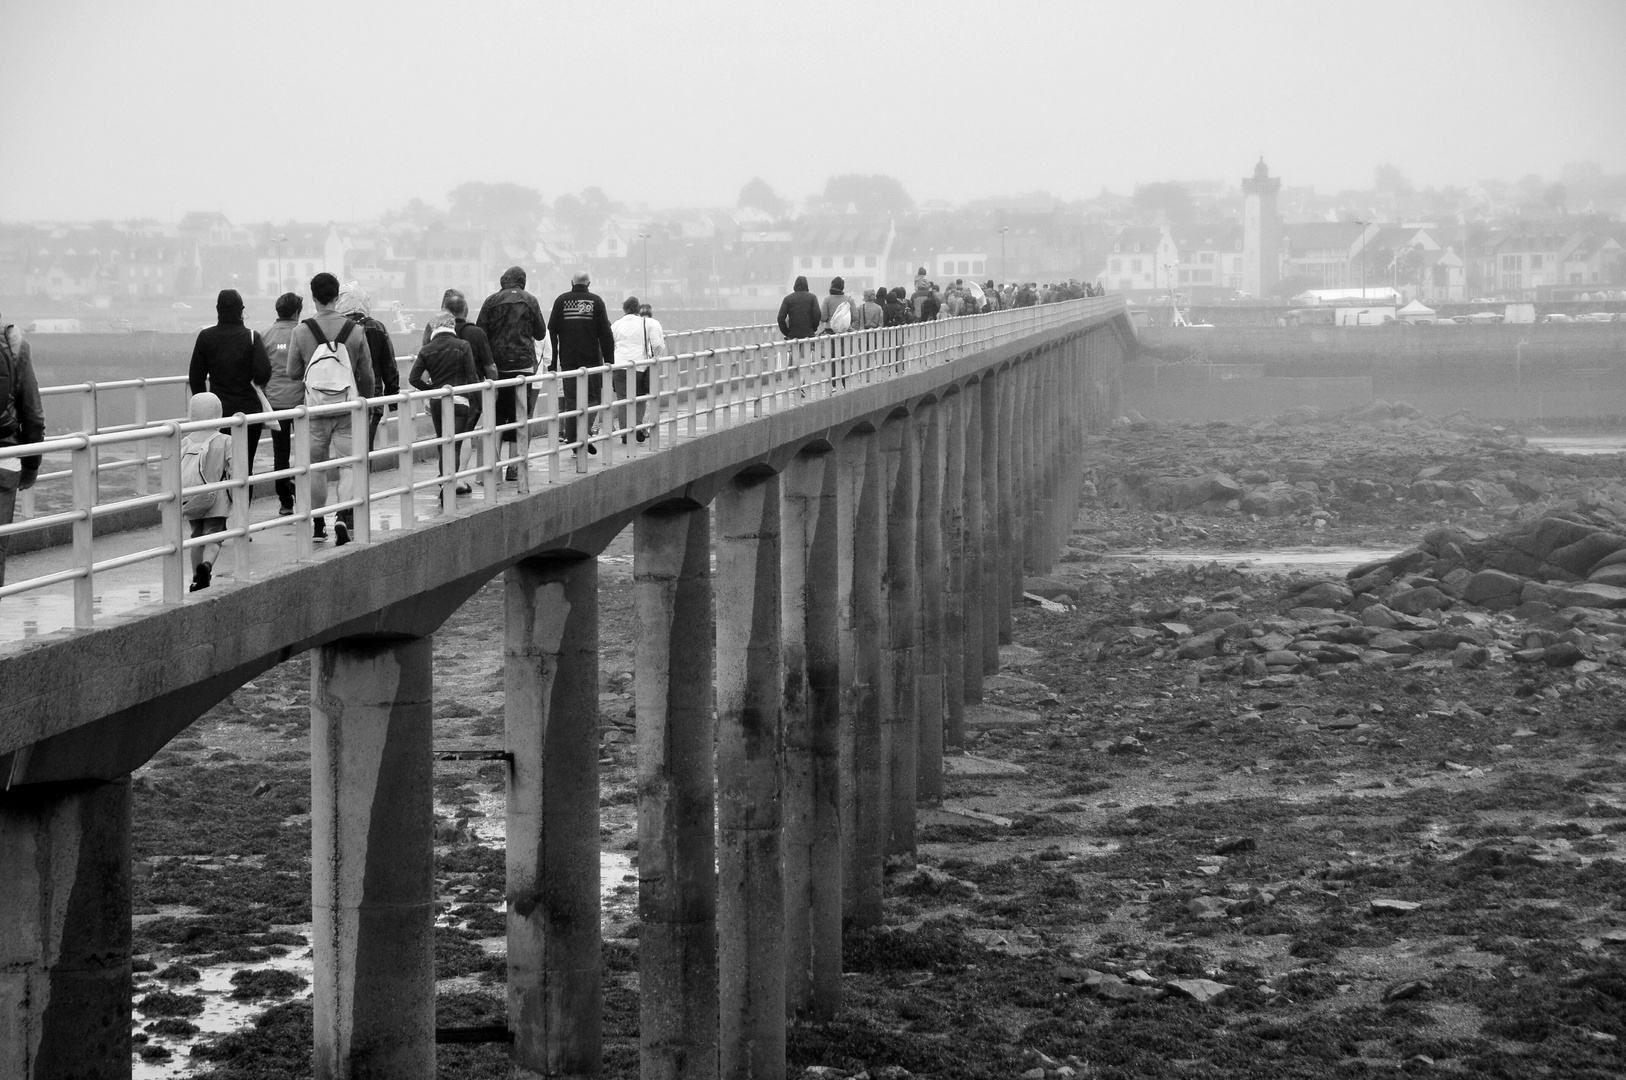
point(205, 459)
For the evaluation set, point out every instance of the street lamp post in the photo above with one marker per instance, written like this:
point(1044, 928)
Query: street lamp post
point(1004, 269)
point(645, 238)
point(278, 241)
point(1363, 225)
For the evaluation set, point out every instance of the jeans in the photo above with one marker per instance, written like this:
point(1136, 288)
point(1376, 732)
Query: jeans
point(618, 385)
point(282, 447)
point(330, 438)
point(595, 393)
point(8, 507)
point(462, 421)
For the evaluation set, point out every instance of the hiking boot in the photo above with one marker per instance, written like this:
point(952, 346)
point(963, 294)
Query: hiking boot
point(319, 529)
point(200, 577)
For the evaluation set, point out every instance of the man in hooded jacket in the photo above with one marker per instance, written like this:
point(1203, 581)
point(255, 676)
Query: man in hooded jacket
point(355, 305)
point(799, 313)
point(512, 320)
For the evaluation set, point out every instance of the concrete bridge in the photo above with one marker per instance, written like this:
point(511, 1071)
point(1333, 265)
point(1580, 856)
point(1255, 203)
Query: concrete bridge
point(853, 516)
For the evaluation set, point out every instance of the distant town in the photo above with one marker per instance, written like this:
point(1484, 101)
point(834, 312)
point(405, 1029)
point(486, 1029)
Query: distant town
point(1256, 239)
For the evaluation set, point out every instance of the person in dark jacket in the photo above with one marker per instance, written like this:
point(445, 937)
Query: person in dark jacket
point(229, 361)
point(283, 393)
point(455, 304)
point(448, 361)
point(512, 320)
point(579, 332)
point(355, 305)
point(22, 421)
point(799, 313)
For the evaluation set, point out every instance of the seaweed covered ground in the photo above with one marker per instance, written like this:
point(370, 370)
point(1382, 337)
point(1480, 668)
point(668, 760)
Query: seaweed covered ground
point(1146, 865)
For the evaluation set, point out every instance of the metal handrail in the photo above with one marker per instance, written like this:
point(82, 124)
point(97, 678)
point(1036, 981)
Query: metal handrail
point(690, 393)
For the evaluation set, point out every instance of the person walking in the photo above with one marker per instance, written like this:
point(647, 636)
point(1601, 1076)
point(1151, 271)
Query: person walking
point(511, 319)
point(355, 305)
point(448, 360)
point(22, 421)
point(283, 393)
point(638, 338)
point(799, 312)
point(579, 331)
point(874, 315)
point(205, 459)
point(229, 361)
point(837, 314)
point(343, 370)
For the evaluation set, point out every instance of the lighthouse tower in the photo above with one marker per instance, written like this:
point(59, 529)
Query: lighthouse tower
point(1261, 232)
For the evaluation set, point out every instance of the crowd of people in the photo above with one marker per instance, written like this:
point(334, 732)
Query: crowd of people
point(340, 353)
point(802, 315)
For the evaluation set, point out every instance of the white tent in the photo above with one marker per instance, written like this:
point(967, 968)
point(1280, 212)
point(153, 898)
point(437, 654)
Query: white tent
point(1416, 312)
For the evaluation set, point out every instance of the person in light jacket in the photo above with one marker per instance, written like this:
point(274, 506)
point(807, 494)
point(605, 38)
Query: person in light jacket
point(283, 392)
point(637, 338)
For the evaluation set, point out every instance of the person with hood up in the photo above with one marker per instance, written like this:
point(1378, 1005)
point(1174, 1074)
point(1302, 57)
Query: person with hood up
point(513, 324)
point(355, 305)
point(22, 421)
point(205, 459)
point(283, 393)
point(448, 360)
point(229, 361)
point(579, 332)
point(799, 313)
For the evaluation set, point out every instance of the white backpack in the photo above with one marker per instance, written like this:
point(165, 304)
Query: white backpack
point(205, 461)
point(329, 376)
point(842, 320)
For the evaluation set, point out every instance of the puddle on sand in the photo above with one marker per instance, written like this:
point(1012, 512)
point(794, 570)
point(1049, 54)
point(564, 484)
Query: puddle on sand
point(1277, 561)
point(618, 898)
point(1585, 445)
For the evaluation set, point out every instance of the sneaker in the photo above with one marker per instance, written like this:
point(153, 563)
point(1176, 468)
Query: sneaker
point(511, 474)
point(284, 511)
point(341, 534)
point(463, 488)
point(592, 448)
point(200, 577)
point(319, 530)
point(641, 435)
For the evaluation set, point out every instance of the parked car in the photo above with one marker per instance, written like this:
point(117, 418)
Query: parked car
point(1556, 317)
point(1599, 316)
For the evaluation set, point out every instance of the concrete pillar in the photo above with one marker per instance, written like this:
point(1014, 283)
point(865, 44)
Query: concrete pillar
point(555, 980)
point(992, 406)
point(677, 851)
point(65, 931)
point(1049, 446)
point(861, 554)
point(1008, 548)
point(809, 634)
point(931, 578)
point(972, 543)
point(372, 860)
point(900, 707)
point(1023, 425)
point(750, 761)
point(955, 605)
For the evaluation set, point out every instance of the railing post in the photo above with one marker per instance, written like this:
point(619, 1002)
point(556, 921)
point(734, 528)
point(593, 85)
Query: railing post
point(448, 452)
point(488, 437)
point(302, 485)
point(84, 554)
point(406, 433)
point(522, 435)
point(141, 447)
point(238, 516)
point(362, 489)
point(173, 522)
point(88, 421)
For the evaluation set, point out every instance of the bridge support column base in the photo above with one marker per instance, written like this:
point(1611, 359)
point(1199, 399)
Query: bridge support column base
point(677, 872)
point(901, 717)
point(555, 966)
point(861, 550)
point(812, 718)
point(372, 860)
point(65, 930)
point(750, 749)
point(932, 608)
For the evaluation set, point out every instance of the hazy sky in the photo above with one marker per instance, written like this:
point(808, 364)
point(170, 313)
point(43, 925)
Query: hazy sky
point(328, 111)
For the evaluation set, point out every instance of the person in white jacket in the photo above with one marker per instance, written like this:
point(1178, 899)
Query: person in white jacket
point(638, 338)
